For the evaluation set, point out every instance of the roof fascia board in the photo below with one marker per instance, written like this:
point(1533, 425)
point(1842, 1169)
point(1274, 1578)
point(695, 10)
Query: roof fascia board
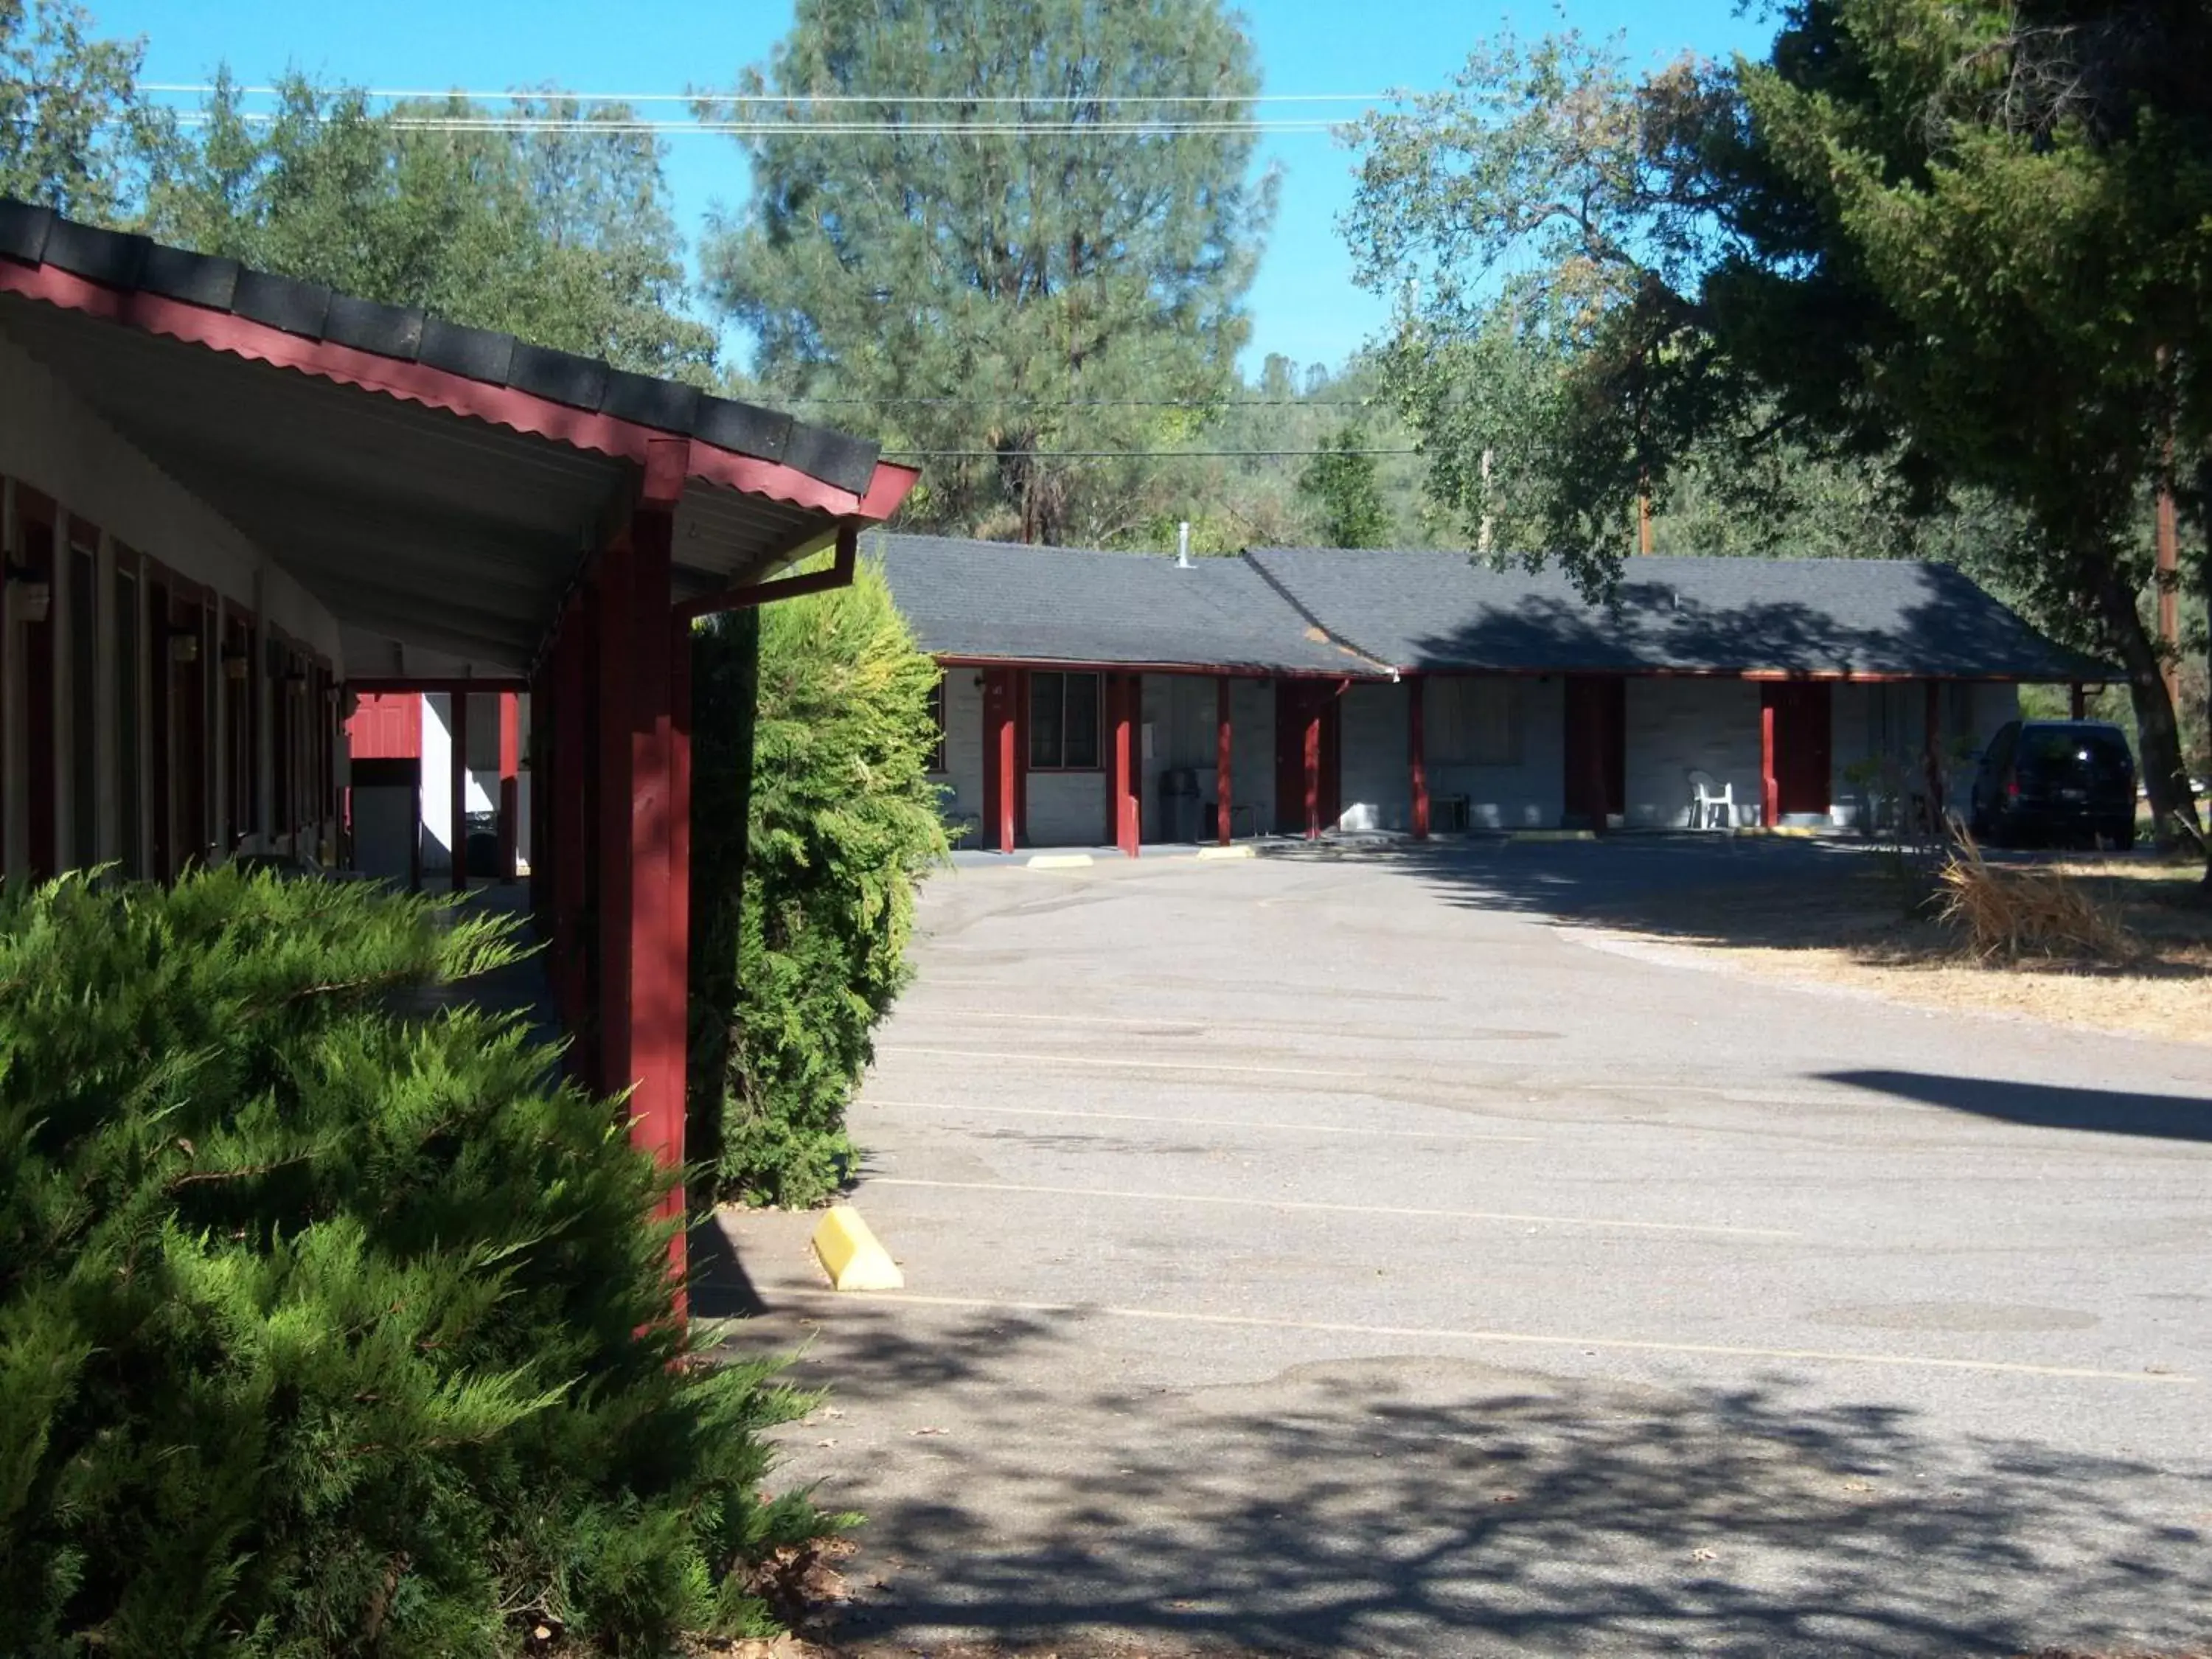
point(1235, 671)
point(441, 389)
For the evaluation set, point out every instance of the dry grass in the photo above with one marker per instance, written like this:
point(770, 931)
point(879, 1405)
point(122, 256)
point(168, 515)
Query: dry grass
point(2010, 914)
point(1849, 928)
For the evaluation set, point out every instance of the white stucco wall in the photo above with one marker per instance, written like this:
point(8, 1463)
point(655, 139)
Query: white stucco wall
point(1676, 726)
point(1890, 719)
point(1527, 791)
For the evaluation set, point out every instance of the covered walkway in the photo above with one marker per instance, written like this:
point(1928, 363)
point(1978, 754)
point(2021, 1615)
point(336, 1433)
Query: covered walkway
point(235, 502)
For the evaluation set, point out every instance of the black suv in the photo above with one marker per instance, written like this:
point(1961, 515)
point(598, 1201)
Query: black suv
point(2056, 782)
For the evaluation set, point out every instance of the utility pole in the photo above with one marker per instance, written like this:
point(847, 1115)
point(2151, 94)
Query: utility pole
point(1644, 521)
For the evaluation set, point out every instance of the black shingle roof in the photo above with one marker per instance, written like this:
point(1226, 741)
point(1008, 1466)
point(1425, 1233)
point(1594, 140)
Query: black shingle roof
point(999, 600)
point(1443, 611)
point(38, 235)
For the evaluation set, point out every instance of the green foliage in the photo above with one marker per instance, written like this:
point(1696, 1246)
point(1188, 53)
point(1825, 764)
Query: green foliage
point(1341, 481)
point(1070, 283)
point(1932, 264)
point(328, 1327)
point(842, 823)
point(559, 235)
point(73, 131)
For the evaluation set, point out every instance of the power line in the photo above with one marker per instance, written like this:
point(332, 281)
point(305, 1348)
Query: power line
point(603, 128)
point(543, 94)
point(1131, 454)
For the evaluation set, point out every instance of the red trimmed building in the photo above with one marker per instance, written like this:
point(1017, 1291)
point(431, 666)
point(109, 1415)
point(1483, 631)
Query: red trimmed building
point(1096, 698)
point(233, 504)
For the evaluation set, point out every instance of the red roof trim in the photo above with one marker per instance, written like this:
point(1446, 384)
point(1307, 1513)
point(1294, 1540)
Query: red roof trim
point(437, 388)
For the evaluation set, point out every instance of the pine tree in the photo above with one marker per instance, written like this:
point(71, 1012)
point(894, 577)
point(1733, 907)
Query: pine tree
point(1010, 257)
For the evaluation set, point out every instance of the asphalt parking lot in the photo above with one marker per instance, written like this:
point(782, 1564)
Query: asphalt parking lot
point(1341, 1255)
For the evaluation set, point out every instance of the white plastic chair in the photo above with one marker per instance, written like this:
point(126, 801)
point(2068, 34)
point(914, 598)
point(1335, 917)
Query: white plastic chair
point(1715, 803)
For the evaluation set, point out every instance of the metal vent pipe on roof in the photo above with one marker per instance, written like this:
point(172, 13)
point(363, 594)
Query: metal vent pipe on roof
point(1182, 545)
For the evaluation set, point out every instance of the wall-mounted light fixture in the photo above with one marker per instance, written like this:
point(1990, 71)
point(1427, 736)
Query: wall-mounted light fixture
point(236, 659)
point(31, 594)
point(184, 645)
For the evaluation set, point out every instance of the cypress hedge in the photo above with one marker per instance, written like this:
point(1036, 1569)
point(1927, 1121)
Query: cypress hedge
point(841, 820)
point(330, 1322)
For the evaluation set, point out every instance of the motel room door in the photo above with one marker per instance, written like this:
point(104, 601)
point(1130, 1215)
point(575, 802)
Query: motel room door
point(1308, 756)
point(1797, 741)
point(1596, 750)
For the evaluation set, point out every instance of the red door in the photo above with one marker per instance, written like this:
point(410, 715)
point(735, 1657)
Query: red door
point(1308, 756)
point(1796, 719)
point(1596, 750)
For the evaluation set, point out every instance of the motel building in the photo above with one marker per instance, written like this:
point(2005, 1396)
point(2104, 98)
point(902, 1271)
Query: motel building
point(1114, 699)
point(235, 506)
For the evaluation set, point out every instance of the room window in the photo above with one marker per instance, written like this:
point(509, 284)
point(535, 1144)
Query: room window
point(1063, 722)
point(1474, 721)
point(936, 724)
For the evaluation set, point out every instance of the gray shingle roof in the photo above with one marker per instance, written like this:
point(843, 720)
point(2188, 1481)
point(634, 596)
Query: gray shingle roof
point(1002, 601)
point(38, 235)
point(1443, 610)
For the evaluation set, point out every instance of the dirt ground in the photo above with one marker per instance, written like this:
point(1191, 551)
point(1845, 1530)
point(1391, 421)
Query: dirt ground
point(1860, 925)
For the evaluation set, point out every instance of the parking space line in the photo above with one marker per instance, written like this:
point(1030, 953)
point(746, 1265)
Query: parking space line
point(1335, 1209)
point(1200, 1122)
point(1524, 1339)
point(1128, 1064)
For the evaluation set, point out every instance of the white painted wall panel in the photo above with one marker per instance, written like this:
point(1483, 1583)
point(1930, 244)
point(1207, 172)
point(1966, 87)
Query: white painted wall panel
point(1252, 756)
point(1675, 726)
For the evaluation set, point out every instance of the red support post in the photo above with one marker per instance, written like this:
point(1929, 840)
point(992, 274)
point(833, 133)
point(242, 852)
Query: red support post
point(1223, 823)
point(510, 786)
point(569, 793)
point(456, 727)
point(1002, 758)
point(1123, 693)
point(1310, 742)
point(644, 941)
point(1769, 789)
point(1934, 756)
point(1417, 754)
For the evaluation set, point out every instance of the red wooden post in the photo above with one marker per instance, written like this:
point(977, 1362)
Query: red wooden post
point(1123, 692)
point(570, 791)
point(644, 954)
point(457, 729)
point(1769, 790)
point(1224, 823)
point(510, 787)
point(1933, 740)
point(1417, 747)
point(1001, 760)
point(1310, 739)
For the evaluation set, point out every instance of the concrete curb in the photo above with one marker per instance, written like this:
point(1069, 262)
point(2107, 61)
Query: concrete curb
point(851, 1254)
point(1217, 852)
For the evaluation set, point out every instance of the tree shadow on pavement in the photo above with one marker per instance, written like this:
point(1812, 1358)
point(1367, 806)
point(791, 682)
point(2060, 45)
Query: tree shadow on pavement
point(2106, 1111)
point(1436, 1505)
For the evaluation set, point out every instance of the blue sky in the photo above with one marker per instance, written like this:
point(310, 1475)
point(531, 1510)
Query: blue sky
point(1303, 304)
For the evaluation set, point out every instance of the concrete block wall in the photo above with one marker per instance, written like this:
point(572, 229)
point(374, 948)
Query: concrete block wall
point(962, 781)
point(1676, 726)
point(1528, 792)
point(1376, 775)
point(1252, 755)
point(1067, 808)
